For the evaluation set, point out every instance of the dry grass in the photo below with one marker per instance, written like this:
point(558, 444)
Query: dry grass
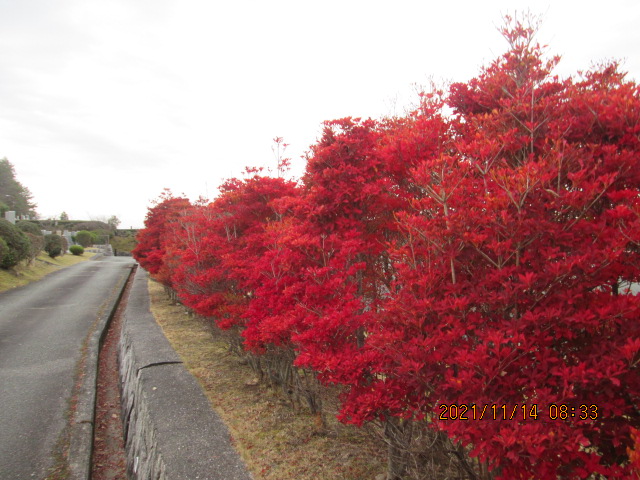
point(42, 266)
point(275, 442)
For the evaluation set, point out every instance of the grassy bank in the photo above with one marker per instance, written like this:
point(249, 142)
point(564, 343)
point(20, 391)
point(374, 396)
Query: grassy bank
point(41, 266)
point(275, 442)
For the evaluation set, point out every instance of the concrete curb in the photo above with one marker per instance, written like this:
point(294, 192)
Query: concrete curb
point(171, 432)
point(81, 442)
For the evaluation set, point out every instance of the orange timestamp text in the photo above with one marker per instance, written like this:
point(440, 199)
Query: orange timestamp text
point(532, 411)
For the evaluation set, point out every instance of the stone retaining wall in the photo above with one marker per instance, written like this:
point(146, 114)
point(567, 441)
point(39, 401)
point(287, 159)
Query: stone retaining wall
point(170, 429)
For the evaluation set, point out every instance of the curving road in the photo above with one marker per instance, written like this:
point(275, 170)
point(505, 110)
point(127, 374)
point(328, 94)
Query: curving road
point(42, 330)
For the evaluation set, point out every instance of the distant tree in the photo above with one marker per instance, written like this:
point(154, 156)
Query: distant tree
point(113, 222)
point(91, 225)
point(101, 236)
point(85, 238)
point(123, 244)
point(16, 196)
point(53, 245)
point(17, 243)
point(29, 227)
point(151, 246)
point(36, 244)
point(64, 216)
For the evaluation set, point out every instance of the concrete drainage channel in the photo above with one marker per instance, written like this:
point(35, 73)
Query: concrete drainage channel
point(170, 430)
point(82, 429)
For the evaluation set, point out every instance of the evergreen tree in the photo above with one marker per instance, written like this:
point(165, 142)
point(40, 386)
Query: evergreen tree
point(13, 194)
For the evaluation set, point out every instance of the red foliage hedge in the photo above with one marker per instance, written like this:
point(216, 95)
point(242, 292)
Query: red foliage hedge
point(476, 253)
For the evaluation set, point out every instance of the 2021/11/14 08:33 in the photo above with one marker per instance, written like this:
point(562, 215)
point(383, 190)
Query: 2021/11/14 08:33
point(516, 412)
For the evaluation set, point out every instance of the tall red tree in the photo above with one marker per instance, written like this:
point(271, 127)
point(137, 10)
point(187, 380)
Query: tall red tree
point(150, 250)
point(513, 275)
point(217, 274)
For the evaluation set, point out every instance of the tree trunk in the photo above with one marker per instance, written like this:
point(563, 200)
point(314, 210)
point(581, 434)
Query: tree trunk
point(397, 433)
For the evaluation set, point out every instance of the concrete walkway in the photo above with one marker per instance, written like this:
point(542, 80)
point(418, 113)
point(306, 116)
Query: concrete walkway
point(171, 431)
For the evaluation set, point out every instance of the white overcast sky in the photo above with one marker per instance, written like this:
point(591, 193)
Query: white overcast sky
point(105, 103)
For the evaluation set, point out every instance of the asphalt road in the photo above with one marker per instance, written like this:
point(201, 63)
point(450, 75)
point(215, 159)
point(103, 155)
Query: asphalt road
point(42, 329)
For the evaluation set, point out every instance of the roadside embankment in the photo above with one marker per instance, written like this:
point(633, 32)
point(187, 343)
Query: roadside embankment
point(171, 431)
point(42, 266)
